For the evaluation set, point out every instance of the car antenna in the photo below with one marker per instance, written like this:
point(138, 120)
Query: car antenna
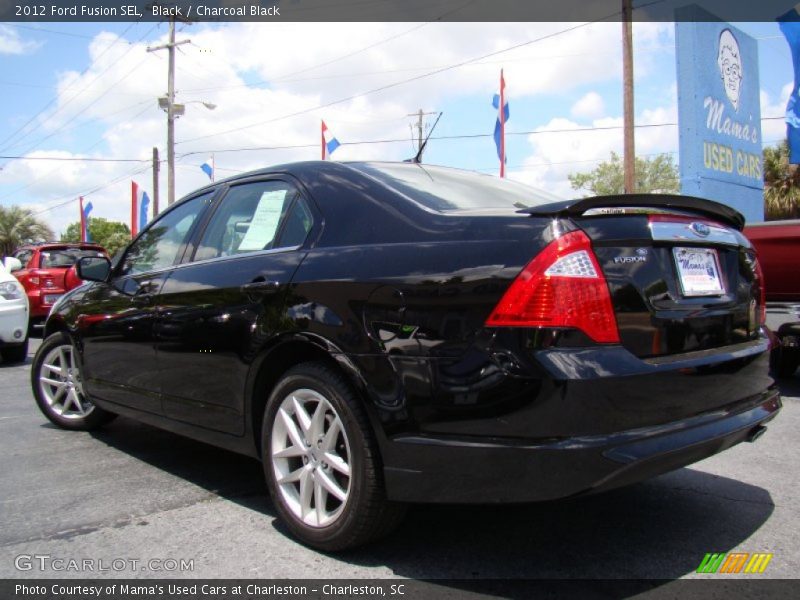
point(418, 158)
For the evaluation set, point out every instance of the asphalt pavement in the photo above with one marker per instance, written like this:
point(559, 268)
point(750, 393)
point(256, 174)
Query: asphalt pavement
point(146, 503)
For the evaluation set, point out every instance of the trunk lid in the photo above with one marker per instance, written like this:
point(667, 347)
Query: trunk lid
point(682, 277)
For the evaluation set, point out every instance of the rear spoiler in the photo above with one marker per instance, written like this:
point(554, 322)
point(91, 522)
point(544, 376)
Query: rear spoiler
point(576, 208)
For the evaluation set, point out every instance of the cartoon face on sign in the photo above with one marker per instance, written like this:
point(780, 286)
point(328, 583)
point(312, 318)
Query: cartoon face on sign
point(729, 62)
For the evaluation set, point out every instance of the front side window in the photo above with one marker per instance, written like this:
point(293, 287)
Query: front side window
point(256, 216)
point(158, 247)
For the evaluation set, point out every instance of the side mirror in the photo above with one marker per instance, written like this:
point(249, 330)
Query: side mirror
point(94, 268)
point(12, 264)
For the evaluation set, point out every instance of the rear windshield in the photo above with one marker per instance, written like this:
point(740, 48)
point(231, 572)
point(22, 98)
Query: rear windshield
point(65, 257)
point(443, 189)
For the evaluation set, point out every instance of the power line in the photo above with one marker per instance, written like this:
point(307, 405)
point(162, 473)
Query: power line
point(60, 128)
point(392, 85)
point(356, 143)
point(78, 159)
point(85, 88)
point(55, 98)
point(74, 197)
point(54, 31)
point(286, 79)
point(464, 136)
point(49, 173)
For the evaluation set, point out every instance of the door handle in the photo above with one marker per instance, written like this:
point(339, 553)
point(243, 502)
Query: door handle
point(260, 287)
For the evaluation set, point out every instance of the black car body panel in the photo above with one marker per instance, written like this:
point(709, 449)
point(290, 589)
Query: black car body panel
point(397, 295)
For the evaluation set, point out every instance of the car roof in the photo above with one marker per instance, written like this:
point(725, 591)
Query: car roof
point(316, 168)
point(62, 245)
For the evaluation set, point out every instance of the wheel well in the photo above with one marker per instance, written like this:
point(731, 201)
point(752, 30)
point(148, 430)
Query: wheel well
point(53, 326)
point(272, 368)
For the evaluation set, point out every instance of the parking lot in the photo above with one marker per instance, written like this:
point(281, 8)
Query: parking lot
point(151, 500)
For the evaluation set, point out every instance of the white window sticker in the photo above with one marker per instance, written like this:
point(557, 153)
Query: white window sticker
point(265, 221)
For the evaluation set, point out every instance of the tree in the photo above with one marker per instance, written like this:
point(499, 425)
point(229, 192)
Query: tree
point(19, 226)
point(658, 174)
point(111, 235)
point(781, 184)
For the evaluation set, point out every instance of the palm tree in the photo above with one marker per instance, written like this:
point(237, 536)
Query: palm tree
point(19, 226)
point(781, 184)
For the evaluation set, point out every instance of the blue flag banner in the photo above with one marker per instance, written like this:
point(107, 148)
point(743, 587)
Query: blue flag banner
point(790, 26)
point(86, 237)
point(143, 207)
point(208, 168)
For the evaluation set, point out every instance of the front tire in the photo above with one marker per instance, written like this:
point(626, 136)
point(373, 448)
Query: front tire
point(58, 387)
point(321, 461)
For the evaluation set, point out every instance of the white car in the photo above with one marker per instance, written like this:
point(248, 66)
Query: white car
point(13, 314)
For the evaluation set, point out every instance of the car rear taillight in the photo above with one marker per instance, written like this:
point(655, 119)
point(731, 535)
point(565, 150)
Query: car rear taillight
point(43, 279)
point(762, 299)
point(562, 287)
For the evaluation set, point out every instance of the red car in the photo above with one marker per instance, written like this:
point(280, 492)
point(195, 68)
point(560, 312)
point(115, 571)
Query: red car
point(48, 272)
point(778, 246)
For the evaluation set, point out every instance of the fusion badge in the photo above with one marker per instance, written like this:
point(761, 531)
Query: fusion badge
point(641, 256)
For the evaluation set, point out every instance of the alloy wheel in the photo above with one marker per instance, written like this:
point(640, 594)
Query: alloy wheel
point(311, 458)
point(61, 385)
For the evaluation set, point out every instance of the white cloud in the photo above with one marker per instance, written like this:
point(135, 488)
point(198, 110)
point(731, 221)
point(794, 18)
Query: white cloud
point(12, 43)
point(589, 106)
point(556, 155)
point(267, 82)
point(774, 130)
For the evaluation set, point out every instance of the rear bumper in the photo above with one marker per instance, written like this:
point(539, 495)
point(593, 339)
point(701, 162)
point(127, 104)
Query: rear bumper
point(474, 471)
point(39, 305)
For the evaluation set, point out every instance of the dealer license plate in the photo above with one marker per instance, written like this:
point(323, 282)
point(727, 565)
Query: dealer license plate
point(698, 271)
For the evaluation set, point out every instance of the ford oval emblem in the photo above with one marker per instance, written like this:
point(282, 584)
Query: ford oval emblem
point(700, 229)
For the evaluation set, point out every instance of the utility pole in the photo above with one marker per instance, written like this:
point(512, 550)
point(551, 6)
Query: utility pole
point(173, 110)
point(156, 169)
point(420, 116)
point(629, 152)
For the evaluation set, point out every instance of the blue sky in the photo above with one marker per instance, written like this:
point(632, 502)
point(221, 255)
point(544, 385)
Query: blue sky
point(89, 90)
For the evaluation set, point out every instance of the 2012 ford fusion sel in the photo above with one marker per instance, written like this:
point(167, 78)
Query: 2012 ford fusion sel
point(381, 334)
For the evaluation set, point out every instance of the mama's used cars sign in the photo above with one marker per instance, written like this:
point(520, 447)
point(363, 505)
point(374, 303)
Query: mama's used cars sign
point(719, 114)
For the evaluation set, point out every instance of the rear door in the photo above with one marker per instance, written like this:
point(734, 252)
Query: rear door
point(117, 326)
point(219, 309)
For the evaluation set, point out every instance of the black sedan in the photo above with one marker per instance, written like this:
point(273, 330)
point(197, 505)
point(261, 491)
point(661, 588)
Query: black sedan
point(379, 334)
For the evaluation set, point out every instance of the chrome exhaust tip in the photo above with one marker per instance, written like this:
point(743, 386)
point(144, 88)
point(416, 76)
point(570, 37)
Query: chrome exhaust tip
point(755, 433)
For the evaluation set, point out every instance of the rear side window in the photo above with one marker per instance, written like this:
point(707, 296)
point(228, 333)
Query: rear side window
point(256, 216)
point(446, 190)
point(24, 256)
point(64, 257)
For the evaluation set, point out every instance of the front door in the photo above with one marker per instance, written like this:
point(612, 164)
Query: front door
point(217, 311)
point(117, 326)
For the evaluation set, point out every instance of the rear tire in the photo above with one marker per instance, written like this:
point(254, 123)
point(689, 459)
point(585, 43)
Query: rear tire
point(15, 354)
point(321, 461)
point(784, 362)
point(58, 387)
